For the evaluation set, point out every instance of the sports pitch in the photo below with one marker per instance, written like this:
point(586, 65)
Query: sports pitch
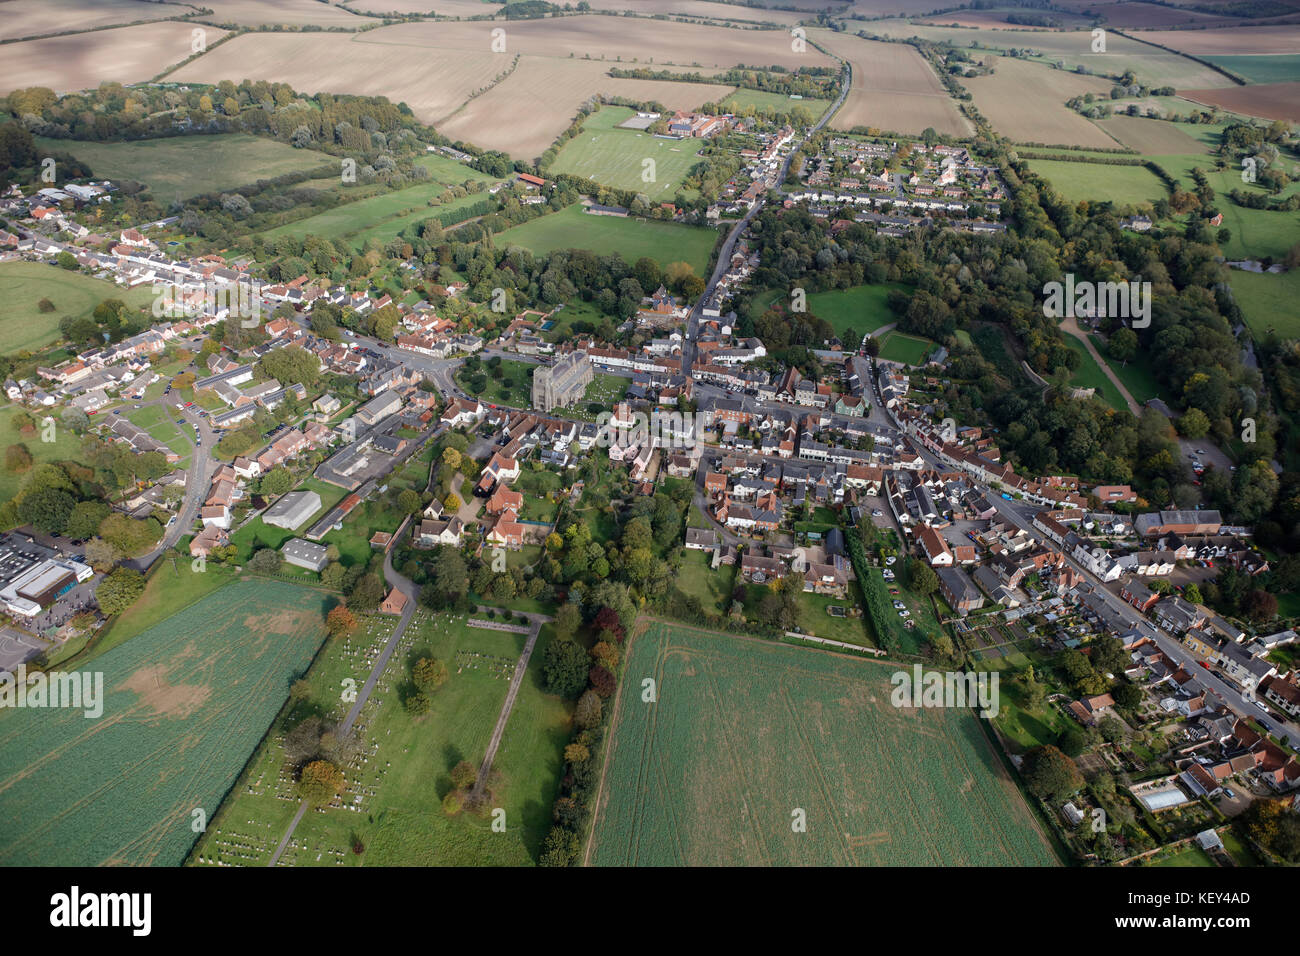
point(744, 733)
point(627, 159)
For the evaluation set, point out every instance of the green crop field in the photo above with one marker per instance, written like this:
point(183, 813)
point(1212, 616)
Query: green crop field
point(184, 705)
point(744, 732)
point(1261, 68)
point(861, 308)
point(908, 349)
point(1122, 185)
point(400, 769)
point(1268, 301)
point(24, 284)
point(572, 228)
point(617, 157)
point(179, 167)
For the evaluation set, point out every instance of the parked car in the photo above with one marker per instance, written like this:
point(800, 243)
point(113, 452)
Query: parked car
point(1227, 792)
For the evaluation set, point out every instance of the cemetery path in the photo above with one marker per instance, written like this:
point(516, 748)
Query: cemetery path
point(516, 681)
point(407, 587)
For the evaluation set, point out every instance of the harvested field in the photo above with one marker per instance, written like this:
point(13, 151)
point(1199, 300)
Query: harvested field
point(745, 732)
point(1071, 48)
point(1026, 101)
point(526, 112)
point(1148, 15)
point(184, 706)
point(1274, 39)
point(36, 18)
point(254, 13)
point(603, 39)
point(1269, 100)
point(1151, 137)
point(997, 20)
point(893, 88)
point(444, 8)
point(84, 60)
point(458, 9)
point(434, 87)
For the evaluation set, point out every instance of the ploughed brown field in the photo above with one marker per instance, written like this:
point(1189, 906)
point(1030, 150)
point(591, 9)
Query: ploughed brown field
point(253, 13)
point(1270, 100)
point(434, 87)
point(893, 88)
point(1272, 39)
point(84, 60)
point(611, 40)
point(526, 112)
point(37, 18)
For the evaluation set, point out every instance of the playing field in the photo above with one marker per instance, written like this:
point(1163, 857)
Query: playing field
point(181, 167)
point(401, 771)
point(627, 159)
point(745, 733)
point(572, 228)
point(1122, 185)
point(24, 284)
point(185, 703)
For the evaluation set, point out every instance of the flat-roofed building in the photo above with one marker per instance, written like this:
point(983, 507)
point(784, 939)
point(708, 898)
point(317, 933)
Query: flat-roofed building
point(305, 554)
point(293, 510)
